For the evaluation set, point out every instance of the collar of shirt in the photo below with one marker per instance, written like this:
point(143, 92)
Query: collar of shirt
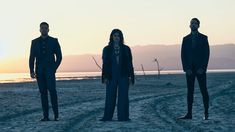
point(44, 39)
point(194, 33)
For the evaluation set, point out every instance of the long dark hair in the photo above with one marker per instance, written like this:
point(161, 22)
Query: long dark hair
point(116, 31)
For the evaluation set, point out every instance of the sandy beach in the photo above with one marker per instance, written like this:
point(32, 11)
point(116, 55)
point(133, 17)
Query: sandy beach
point(155, 103)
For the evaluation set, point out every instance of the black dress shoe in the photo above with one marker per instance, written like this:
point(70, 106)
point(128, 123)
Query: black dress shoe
point(45, 119)
point(187, 116)
point(103, 119)
point(206, 116)
point(56, 119)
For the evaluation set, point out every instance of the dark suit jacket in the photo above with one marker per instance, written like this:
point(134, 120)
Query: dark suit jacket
point(45, 61)
point(127, 69)
point(197, 57)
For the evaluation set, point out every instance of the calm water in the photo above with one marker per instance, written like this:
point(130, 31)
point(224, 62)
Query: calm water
point(25, 77)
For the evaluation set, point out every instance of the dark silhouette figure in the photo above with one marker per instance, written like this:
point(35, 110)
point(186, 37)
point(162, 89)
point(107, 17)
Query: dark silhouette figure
point(117, 73)
point(43, 51)
point(195, 56)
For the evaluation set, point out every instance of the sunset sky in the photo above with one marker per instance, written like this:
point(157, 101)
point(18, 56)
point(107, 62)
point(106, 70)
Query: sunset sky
point(83, 26)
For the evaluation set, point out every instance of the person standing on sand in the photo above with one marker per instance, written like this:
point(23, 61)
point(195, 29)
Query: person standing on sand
point(117, 74)
point(43, 51)
point(195, 56)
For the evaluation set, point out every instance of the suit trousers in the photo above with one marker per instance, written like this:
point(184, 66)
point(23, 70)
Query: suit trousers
point(203, 88)
point(47, 82)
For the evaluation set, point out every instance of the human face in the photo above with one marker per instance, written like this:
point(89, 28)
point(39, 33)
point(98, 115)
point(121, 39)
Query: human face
point(194, 25)
point(44, 29)
point(116, 37)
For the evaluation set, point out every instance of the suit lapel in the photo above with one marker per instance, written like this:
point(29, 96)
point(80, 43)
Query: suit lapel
point(37, 47)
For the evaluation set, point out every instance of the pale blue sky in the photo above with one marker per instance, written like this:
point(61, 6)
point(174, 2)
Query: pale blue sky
point(83, 26)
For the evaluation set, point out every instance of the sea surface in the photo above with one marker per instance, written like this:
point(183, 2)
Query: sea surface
point(25, 77)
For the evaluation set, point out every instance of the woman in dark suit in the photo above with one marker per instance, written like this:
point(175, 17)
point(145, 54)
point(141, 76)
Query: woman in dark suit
point(117, 74)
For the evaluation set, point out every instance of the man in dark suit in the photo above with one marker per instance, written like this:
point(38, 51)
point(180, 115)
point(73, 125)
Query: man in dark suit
point(195, 56)
point(43, 51)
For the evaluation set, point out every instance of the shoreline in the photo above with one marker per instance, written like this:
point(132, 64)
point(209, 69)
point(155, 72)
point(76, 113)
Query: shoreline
point(66, 79)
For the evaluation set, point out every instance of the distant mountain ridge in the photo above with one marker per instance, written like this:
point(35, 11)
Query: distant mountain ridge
point(221, 57)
